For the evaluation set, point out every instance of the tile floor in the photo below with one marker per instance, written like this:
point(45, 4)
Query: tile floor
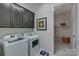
point(62, 49)
point(38, 53)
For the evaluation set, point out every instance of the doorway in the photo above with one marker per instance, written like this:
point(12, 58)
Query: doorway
point(65, 30)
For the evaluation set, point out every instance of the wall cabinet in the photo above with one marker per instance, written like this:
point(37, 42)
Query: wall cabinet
point(5, 15)
point(15, 16)
point(28, 19)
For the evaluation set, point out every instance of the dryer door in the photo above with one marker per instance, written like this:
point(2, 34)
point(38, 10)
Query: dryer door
point(34, 43)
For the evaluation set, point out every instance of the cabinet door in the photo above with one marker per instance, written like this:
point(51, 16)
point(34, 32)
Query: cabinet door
point(31, 19)
point(28, 19)
point(25, 18)
point(17, 16)
point(5, 16)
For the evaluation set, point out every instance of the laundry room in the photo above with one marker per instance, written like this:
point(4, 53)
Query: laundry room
point(18, 25)
point(28, 29)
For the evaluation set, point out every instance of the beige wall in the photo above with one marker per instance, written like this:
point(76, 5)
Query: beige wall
point(8, 31)
point(46, 37)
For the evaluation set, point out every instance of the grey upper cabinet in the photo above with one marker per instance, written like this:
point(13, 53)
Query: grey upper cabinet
point(17, 16)
point(5, 15)
point(28, 19)
point(25, 18)
point(31, 19)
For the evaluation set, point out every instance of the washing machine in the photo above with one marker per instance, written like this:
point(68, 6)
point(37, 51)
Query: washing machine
point(33, 43)
point(15, 45)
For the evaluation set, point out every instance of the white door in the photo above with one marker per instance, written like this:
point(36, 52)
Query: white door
point(73, 26)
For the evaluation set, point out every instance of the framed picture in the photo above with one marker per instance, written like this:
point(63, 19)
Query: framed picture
point(41, 23)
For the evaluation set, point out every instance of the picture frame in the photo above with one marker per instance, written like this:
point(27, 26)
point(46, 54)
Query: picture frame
point(41, 23)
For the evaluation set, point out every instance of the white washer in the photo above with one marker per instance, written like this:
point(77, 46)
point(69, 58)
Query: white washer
point(33, 43)
point(15, 46)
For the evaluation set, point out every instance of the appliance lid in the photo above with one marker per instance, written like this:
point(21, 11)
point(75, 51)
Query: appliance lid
point(11, 43)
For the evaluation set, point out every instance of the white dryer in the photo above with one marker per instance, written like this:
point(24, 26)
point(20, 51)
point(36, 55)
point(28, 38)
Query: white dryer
point(14, 45)
point(33, 43)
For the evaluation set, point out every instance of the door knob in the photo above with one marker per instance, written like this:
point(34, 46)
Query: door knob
point(73, 35)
